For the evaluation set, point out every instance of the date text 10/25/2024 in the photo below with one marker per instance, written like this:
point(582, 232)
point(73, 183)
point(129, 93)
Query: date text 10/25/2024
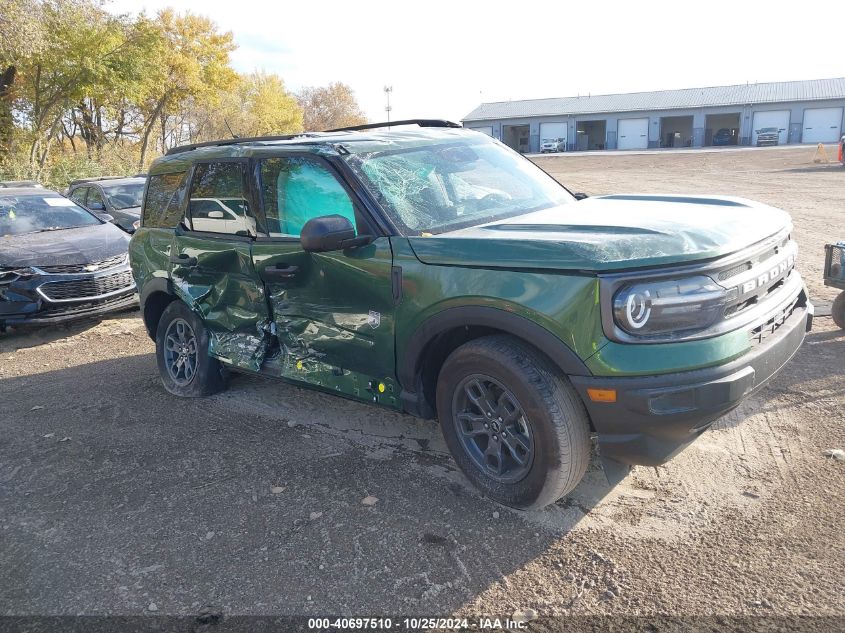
point(421, 623)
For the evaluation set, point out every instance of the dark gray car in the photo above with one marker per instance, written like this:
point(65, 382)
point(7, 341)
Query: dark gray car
point(58, 261)
point(118, 197)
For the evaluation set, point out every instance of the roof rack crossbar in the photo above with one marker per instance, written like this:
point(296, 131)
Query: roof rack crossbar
point(420, 122)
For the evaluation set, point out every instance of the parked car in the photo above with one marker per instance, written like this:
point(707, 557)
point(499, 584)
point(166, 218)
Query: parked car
point(227, 216)
point(119, 197)
point(724, 136)
point(58, 261)
point(553, 145)
point(435, 271)
point(768, 136)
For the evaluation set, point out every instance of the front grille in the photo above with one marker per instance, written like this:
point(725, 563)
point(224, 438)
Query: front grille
point(758, 278)
point(92, 267)
point(87, 288)
point(82, 308)
point(757, 258)
point(772, 324)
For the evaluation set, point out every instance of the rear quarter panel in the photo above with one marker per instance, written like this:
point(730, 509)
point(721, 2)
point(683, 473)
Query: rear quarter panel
point(149, 257)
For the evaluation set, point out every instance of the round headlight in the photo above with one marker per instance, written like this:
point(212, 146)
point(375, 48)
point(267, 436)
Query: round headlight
point(638, 309)
point(669, 306)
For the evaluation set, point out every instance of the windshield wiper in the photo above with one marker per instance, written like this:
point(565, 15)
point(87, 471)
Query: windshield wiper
point(54, 228)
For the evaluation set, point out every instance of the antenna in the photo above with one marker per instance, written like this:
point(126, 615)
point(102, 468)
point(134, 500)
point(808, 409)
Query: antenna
point(229, 127)
point(387, 91)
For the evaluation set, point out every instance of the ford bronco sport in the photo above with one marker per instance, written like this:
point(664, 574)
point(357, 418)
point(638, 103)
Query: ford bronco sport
point(434, 271)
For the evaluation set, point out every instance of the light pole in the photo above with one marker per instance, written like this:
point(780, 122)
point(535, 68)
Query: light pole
point(387, 91)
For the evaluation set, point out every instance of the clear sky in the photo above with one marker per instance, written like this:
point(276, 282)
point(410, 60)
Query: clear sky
point(444, 58)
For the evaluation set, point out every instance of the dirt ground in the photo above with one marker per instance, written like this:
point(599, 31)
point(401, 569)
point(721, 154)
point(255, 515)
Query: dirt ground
point(116, 498)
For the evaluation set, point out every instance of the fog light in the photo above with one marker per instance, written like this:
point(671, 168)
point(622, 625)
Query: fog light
point(675, 402)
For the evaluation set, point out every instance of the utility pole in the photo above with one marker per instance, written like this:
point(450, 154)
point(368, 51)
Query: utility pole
point(387, 91)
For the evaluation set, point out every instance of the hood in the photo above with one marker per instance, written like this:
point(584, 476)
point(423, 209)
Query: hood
point(83, 245)
point(610, 233)
point(135, 212)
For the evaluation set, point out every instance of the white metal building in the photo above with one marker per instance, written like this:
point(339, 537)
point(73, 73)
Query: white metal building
point(809, 111)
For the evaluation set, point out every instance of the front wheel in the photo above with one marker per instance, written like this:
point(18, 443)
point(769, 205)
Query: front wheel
point(837, 311)
point(513, 423)
point(185, 367)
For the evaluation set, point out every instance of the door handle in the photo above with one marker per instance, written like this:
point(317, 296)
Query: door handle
point(280, 272)
point(183, 260)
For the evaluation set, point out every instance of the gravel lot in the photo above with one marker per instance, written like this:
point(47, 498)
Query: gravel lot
point(116, 498)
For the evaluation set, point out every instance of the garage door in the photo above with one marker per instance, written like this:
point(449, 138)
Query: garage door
point(632, 134)
point(822, 125)
point(552, 131)
point(484, 130)
point(771, 118)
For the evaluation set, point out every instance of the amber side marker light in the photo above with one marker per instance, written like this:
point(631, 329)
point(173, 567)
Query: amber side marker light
point(602, 395)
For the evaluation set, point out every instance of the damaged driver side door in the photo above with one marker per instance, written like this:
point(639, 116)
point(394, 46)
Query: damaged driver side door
point(332, 312)
point(211, 263)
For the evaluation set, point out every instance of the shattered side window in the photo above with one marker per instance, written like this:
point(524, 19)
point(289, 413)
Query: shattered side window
point(163, 204)
point(297, 189)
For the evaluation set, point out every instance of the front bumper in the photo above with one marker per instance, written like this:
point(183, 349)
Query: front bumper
point(655, 417)
point(46, 298)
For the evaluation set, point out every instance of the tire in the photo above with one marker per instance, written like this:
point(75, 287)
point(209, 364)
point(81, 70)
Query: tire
point(549, 432)
point(202, 377)
point(837, 311)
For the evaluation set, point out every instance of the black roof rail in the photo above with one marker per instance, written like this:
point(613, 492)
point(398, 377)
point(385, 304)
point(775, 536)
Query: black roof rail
point(232, 141)
point(287, 137)
point(420, 122)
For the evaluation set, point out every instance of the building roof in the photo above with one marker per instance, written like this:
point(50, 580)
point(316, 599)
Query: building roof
point(742, 94)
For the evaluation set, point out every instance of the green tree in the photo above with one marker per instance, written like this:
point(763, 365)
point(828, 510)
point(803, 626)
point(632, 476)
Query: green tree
point(328, 107)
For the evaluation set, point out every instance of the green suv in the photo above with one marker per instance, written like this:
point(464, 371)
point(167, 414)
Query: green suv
point(432, 270)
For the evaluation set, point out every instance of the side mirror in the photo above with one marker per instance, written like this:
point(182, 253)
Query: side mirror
point(330, 233)
point(580, 196)
point(215, 215)
point(96, 206)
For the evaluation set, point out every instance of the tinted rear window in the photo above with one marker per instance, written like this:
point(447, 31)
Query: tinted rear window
point(163, 204)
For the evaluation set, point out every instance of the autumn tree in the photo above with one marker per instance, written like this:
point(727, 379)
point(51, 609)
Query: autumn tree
point(86, 92)
point(259, 106)
point(21, 36)
point(87, 56)
point(329, 107)
point(191, 62)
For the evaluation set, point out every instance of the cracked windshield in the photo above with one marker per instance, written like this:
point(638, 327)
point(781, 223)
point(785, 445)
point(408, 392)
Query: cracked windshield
point(445, 187)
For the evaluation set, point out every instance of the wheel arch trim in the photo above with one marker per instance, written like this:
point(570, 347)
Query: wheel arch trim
point(410, 363)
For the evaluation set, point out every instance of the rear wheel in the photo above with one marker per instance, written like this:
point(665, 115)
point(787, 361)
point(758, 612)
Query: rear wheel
point(185, 367)
point(512, 422)
point(837, 311)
